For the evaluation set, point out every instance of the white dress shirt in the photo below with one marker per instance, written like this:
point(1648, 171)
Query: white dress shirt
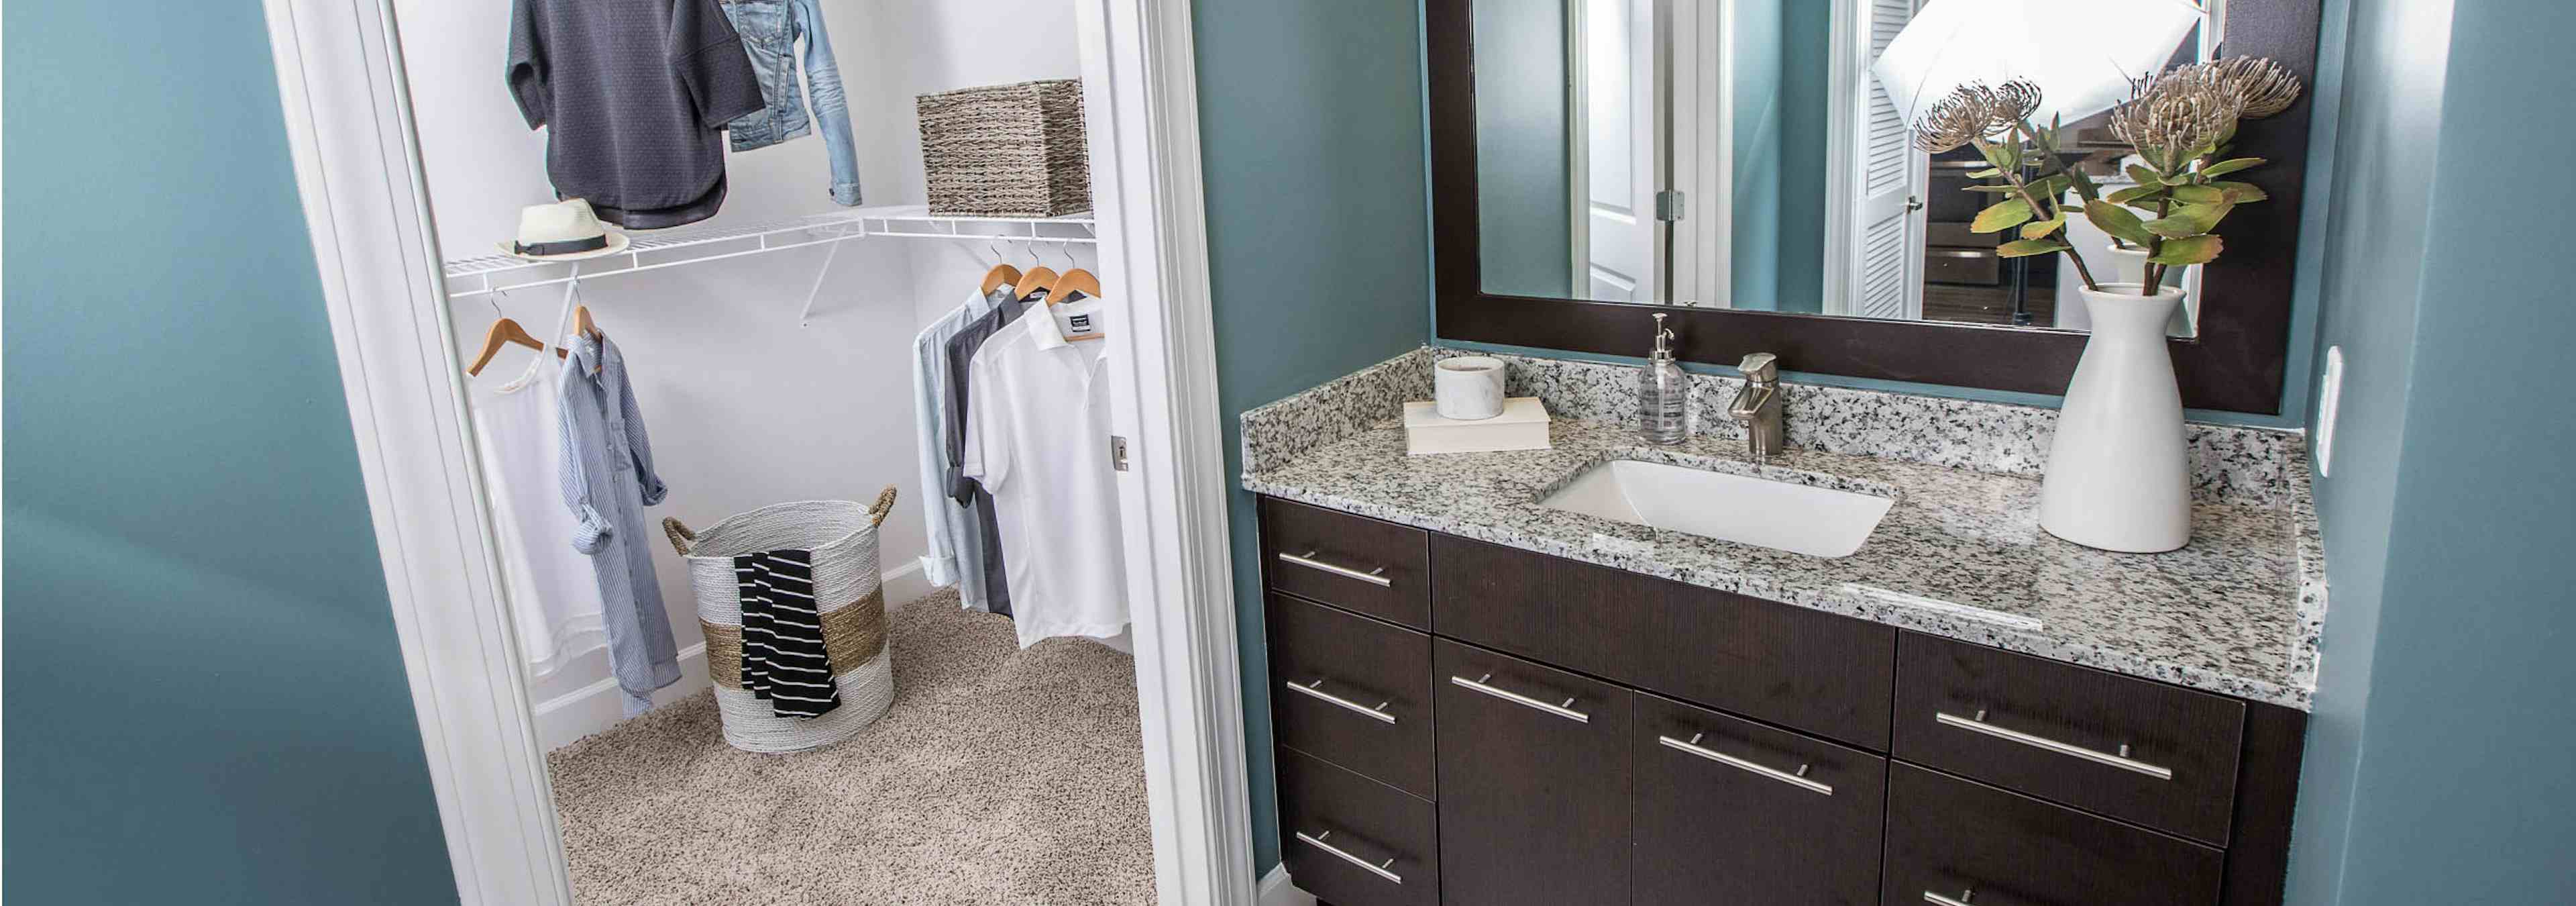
point(1037, 437)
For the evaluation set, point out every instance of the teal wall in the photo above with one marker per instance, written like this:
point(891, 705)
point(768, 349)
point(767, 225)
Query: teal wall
point(1311, 127)
point(2439, 766)
point(1521, 123)
point(205, 702)
point(1778, 223)
point(1753, 236)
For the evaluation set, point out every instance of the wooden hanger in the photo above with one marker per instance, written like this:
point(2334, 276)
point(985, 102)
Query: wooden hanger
point(581, 322)
point(1075, 280)
point(1072, 281)
point(1000, 275)
point(1036, 278)
point(503, 333)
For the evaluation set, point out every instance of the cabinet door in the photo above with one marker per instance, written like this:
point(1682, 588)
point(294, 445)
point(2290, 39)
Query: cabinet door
point(1730, 811)
point(1533, 782)
point(1960, 841)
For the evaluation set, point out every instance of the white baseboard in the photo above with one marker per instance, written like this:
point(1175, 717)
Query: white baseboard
point(1277, 890)
point(567, 718)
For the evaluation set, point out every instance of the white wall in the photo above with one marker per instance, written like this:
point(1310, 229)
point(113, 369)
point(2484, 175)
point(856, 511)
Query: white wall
point(745, 407)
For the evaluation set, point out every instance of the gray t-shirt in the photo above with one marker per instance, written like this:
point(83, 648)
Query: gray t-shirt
point(635, 93)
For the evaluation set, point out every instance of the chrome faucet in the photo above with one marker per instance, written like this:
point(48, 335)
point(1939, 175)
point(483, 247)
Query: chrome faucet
point(1757, 406)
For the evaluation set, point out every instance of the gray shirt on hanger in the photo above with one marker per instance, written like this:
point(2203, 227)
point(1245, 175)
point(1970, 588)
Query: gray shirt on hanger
point(635, 94)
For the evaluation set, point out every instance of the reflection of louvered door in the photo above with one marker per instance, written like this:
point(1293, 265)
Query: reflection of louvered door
point(1887, 246)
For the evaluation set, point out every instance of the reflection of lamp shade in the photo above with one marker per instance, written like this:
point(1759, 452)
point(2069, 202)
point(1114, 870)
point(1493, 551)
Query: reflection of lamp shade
point(2081, 53)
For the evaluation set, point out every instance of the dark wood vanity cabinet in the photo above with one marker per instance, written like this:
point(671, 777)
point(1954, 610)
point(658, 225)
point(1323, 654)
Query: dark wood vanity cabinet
point(1490, 727)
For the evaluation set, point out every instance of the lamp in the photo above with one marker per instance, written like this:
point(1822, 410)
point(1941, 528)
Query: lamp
point(2081, 53)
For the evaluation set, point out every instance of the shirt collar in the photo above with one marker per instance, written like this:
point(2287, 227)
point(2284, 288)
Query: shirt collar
point(592, 353)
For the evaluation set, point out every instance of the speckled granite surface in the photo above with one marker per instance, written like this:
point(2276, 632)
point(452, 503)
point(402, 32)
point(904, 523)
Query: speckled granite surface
point(1960, 554)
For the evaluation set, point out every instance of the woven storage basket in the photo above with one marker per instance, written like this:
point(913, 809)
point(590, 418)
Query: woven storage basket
point(1006, 150)
point(847, 588)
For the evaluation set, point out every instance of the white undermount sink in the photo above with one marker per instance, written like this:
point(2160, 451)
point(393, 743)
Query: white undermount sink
point(1819, 522)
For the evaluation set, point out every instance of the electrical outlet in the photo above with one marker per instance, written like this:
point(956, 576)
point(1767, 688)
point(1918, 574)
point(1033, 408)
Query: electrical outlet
point(2329, 400)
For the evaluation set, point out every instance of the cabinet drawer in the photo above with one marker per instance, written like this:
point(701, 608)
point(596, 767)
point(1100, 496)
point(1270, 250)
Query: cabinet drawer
point(1811, 671)
point(1533, 782)
point(2142, 751)
point(1352, 691)
point(1376, 568)
point(1352, 841)
point(1764, 815)
point(1965, 842)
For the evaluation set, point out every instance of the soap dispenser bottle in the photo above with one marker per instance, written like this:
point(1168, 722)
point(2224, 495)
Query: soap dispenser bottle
point(1663, 392)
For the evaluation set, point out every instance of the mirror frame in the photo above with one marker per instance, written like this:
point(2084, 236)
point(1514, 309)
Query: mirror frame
point(2236, 364)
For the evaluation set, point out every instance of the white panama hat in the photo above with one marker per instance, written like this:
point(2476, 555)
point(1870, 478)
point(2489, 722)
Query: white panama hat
point(566, 230)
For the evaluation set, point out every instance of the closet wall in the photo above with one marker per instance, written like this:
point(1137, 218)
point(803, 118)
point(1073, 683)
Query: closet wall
point(745, 407)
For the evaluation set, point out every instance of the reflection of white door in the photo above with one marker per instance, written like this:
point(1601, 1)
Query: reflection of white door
point(1616, 256)
point(1875, 239)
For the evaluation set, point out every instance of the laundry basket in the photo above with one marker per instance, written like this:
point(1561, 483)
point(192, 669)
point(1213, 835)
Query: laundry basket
point(848, 588)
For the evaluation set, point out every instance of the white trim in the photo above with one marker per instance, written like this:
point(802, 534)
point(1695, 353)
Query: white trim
point(1278, 890)
point(1842, 154)
point(350, 129)
point(1703, 153)
point(1578, 151)
point(1173, 501)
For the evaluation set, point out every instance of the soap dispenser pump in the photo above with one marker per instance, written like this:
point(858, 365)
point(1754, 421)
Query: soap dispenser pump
point(1663, 392)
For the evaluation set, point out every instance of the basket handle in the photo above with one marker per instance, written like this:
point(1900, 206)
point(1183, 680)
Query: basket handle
point(880, 510)
point(681, 538)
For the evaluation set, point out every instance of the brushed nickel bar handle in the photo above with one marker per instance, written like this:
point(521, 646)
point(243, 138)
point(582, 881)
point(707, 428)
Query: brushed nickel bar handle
point(1939, 900)
point(1797, 779)
point(1516, 698)
point(1375, 577)
point(1378, 869)
point(1313, 690)
point(2122, 761)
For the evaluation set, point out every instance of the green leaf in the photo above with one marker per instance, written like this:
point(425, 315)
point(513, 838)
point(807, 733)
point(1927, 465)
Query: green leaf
point(2039, 228)
point(2027, 247)
point(2083, 184)
point(2240, 192)
point(1994, 190)
point(2009, 213)
point(1996, 154)
point(2188, 220)
point(1987, 173)
point(2225, 167)
point(2117, 221)
point(2145, 177)
point(2199, 194)
point(2133, 193)
point(2051, 187)
point(2194, 250)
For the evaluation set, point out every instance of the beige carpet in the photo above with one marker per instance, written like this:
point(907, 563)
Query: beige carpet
point(1000, 776)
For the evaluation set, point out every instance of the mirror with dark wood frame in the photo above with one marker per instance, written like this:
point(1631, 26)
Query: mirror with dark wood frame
point(1737, 164)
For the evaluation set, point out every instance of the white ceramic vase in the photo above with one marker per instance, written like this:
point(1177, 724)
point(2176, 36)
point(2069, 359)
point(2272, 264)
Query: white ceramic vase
point(1468, 388)
point(2118, 477)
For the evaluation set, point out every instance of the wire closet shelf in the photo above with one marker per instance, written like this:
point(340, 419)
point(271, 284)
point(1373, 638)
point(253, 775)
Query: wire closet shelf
point(489, 274)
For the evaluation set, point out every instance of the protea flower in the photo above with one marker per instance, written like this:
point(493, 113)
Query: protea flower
point(2265, 86)
point(1967, 114)
point(2179, 113)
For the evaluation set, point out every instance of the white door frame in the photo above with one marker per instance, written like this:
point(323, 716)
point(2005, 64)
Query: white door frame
point(1701, 126)
point(349, 125)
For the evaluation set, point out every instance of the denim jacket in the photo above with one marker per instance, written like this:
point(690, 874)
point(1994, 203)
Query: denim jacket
point(769, 31)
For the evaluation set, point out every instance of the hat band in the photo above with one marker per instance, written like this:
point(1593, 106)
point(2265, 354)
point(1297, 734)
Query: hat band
point(566, 247)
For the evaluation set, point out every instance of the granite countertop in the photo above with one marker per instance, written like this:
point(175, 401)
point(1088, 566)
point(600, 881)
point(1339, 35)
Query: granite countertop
point(1960, 554)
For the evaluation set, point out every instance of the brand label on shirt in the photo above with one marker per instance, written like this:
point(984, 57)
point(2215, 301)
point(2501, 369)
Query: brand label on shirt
point(1079, 324)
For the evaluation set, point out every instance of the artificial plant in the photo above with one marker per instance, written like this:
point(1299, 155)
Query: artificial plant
point(2178, 124)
